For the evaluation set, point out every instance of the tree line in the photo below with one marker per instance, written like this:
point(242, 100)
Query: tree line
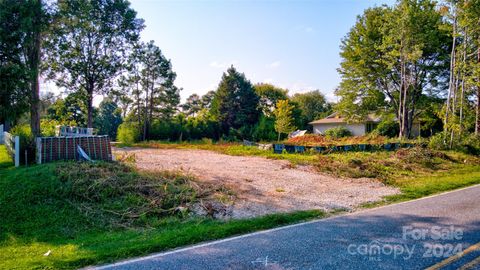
point(236, 110)
point(415, 61)
point(418, 60)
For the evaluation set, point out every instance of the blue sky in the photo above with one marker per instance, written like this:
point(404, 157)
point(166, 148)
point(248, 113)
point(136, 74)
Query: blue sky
point(291, 44)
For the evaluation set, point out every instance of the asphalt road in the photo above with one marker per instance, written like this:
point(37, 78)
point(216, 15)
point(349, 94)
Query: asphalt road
point(412, 235)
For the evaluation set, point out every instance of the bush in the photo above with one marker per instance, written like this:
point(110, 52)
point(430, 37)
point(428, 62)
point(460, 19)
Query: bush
point(264, 130)
point(128, 133)
point(49, 127)
point(27, 142)
point(469, 143)
point(437, 142)
point(338, 132)
point(387, 128)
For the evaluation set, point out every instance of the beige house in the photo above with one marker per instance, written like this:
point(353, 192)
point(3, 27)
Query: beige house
point(358, 128)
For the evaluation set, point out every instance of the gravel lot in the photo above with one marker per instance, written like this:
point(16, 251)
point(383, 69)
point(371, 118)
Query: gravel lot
point(263, 185)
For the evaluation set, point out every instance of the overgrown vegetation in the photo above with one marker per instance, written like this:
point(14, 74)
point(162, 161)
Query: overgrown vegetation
point(91, 213)
point(319, 140)
point(338, 132)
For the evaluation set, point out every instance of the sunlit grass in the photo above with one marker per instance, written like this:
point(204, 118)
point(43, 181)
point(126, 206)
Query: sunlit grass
point(5, 159)
point(42, 210)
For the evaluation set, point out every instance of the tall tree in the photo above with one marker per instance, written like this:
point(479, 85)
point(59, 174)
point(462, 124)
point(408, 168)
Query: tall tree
point(34, 22)
point(192, 105)
point(161, 96)
point(284, 122)
point(13, 72)
point(206, 100)
point(70, 110)
point(88, 45)
point(236, 103)
point(108, 118)
point(312, 105)
point(22, 24)
point(269, 96)
point(400, 52)
point(469, 20)
point(150, 82)
point(464, 83)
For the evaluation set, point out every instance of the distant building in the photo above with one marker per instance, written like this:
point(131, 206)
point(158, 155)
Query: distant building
point(358, 128)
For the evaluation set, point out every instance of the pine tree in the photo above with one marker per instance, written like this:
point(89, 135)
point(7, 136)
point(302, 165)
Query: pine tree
point(236, 103)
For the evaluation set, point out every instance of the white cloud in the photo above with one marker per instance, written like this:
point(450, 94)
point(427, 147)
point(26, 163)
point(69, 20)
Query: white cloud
point(268, 80)
point(331, 97)
point(301, 87)
point(309, 29)
point(306, 29)
point(223, 65)
point(275, 64)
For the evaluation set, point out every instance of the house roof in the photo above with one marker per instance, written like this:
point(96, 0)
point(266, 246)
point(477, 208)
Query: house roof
point(336, 118)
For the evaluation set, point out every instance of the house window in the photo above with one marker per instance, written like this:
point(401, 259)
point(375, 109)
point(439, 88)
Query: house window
point(370, 126)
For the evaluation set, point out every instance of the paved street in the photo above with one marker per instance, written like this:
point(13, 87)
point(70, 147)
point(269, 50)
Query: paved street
point(412, 235)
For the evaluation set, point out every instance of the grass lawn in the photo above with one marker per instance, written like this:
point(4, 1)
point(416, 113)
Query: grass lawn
point(5, 160)
point(89, 214)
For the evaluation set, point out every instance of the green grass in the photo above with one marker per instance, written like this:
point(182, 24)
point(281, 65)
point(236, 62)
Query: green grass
point(73, 210)
point(5, 159)
point(96, 213)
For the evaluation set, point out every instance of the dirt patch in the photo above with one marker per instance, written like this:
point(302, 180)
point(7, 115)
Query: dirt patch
point(264, 186)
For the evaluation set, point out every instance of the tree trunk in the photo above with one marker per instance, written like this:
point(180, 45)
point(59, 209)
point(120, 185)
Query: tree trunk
point(34, 61)
point(90, 108)
point(452, 75)
point(145, 115)
point(400, 98)
point(35, 106)
point(477, 125)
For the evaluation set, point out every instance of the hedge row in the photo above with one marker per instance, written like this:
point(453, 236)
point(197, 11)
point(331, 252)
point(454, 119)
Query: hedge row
point(281, 148)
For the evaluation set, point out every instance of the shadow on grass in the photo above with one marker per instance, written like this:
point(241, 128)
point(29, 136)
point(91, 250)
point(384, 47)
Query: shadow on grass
point(36, 216)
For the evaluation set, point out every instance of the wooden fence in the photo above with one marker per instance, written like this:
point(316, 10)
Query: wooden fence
point(65, 148)
point(1, 134)
point(12, 143)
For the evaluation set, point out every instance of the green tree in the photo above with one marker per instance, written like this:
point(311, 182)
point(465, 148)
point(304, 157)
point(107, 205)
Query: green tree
point(88, 45)
point(22, 24)
point(149, 81)
point(192, 105)
point(161, 97)
point(206, 100)
point(469, 59)
point(284, 122)
point(71, 110)
point(399, 53)
point(108, 118)
point(269, 96)
point(235, 104)
point(312, 105)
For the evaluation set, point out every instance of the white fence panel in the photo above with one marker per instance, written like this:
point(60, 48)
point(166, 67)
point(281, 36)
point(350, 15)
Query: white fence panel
point(13, 146)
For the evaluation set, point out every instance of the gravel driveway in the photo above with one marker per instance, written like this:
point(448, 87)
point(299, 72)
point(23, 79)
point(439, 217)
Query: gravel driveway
point(264, 186)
